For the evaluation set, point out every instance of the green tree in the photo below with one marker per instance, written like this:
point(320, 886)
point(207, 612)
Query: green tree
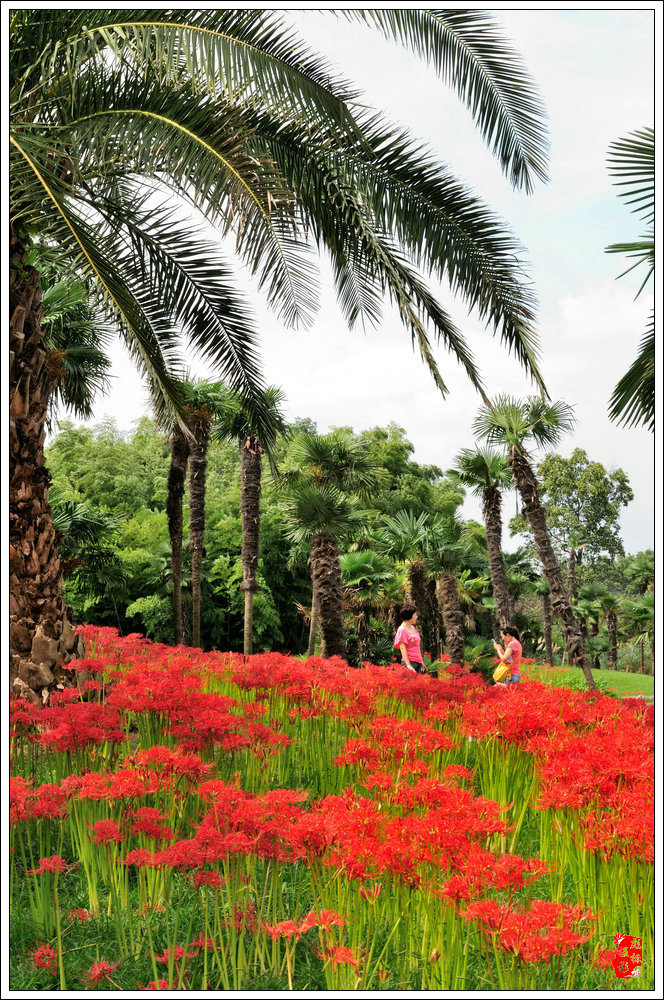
point(632, 165)
point(365, 575)
point(112, 115)
point(512, 423)
point(583, 505)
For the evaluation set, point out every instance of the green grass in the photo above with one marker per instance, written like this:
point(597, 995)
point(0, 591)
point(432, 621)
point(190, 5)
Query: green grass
point(619, 681)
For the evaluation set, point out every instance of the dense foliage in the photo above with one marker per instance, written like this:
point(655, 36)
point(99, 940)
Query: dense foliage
point(125, 476)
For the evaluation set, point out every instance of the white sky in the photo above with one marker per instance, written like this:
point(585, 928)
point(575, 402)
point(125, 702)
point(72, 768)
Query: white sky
point(596, 71)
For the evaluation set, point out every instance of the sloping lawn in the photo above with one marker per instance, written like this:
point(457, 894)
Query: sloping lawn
point(620, 681)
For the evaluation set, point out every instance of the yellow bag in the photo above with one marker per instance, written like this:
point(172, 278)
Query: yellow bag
point(501, 672)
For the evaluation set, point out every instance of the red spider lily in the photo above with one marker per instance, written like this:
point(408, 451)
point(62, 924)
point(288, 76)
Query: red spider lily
point(99, 972)
point(81, 915)
point(371, 894)
point(327, 919)
point(140, 857)
point(176, 953)
point(213, 879)
point(156, 984)
point(286, 928)
point(106, 831)
point(340, 955)
point(151, 822)
point(534, 935)
point(201, 943)
point(46, 958)
point(52, 864)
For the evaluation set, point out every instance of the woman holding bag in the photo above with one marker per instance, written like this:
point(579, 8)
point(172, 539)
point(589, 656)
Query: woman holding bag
point(510, 655)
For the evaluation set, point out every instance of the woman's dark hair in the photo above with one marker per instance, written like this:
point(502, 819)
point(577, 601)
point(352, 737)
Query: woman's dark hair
point(407, 611)
point(509, 630)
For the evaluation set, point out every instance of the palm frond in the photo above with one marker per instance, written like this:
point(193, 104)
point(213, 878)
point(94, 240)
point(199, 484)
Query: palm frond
point(470, 53)
point(633, 399)
point(631, 163)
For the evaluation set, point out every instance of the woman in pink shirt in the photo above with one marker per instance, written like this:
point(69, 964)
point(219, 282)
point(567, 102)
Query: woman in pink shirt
point(510, 655)
point(408, 640)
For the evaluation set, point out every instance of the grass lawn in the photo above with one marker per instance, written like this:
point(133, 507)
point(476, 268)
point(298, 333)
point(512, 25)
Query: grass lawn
point(621, 681)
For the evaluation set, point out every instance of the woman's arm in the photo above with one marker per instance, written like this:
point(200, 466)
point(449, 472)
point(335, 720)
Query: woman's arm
point(503, 654)
point(402, 647)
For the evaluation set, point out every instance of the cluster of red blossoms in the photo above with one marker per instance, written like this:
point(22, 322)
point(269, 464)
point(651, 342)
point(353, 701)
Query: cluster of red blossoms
point(407, 813)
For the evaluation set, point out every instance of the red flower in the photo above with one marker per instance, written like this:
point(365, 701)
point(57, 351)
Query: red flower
point(99, 972)
point(46, 958)
point(52, 864)
point(81, 915)
point(106, 830)
point(287, 929)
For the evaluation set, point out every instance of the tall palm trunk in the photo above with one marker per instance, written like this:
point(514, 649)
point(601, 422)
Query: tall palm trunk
point(572, 562)
point(250, 492)
point(177, 475)
point(491, 505)
point(612, 626)
point(417, 583)
point(433, 608)
point(197, 471)
point(547, 623)
point(363, 620)
point(328, 589)
point(594, 631)
point(534, 511)
point(452, 618)
point(313, 623)
point(41, 635)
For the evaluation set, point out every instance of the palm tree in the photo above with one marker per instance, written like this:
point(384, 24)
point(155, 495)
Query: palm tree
point(180, 442)
point(512, 422)
point(331, 471)
point(448, 550)
point(639, 622)
point(610, 605)
point(364, 575)
point(541, 587)
point(632, 163)
point(641, 570)
point(402, 538)
point(486, 473)
point(114, 114)
point(255, 432)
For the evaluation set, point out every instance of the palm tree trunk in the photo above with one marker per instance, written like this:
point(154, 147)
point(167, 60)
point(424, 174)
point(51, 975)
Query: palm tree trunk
point(594, 631)
point(433, 608)
point(197, 471)
point(177, 474)
point(547, 622)
point(250, 472)
point(571, 569)
point(561, 605)
point(364, 632)
point(612, 625)
point(417, 582)
point(41, 635)
point(328, 588)
point(452, 618)
point(493, 522)
point(313, 624)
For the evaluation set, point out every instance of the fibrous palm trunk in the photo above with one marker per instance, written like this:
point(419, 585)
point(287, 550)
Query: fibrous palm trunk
point(452, 618)
point(612, 626)
point(432, 641)
point(250, 491)
point(177, 475)
point(534, 511)
point(41, 635)
point(314, 620)
point(594, 631)
point(547, 622)
point(572, 562)
point(328, 591)
point(363, 619)
point(417, 583)
point(197, 472)
point(491, 504)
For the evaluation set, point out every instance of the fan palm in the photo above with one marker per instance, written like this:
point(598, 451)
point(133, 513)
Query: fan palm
point(486, 473)
point(118, 117)
point(332, 471)
point(632, 164)
point(448, 550)
point(542, 589)
point(402, 537)
point(512, 422)
point(364, 575)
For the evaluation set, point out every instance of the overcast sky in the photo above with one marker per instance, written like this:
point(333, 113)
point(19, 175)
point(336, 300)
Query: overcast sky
point(595, 69)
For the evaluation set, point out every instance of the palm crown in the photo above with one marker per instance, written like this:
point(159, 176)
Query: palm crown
point(114, 111)
point(512, 422)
